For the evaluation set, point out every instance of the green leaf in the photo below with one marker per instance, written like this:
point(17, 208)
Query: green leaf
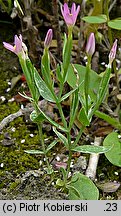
point(114, 155)
point(94, 80)
point(25, 96)
point(74, 107)
point(83, 118)
point(92, 149)
point(32, 85)
point(64, 173)
point(103, 85)
point(43, 88)
point(67, 57)
point(67, 95)
point(60, 183)
point(95, 19)
point(34, 117)
point(34, 152)
point(84, 186)
point(102, 90)
point(39, 118)
point(115, 24)
point(61, 137)
point(45, 67)
point(108, 119)
point(51, 145)
point(59, 73)
point(76, 193)
point(29, 71)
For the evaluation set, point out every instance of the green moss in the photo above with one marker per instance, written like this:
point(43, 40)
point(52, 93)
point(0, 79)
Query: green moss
point(13, 157)
point(13, 185)
point(7, 109)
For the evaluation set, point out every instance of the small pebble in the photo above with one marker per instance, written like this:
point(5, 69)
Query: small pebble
point(8, 89)
point(13, 129)
point(31, 135)
point(11, 100)
point(23, 141)
point(3, 98)
point(85, 57)
point(103, 63)
point(40, 162)
point(58, 158)
point(9, 83)
point(2, 165)
point(22, 106)
point(116, 173)
point(70, 174)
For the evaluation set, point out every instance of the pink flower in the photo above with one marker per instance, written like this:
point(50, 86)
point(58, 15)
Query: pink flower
point(17, 48)
point(112, 53)
point(70, 16)
point(48, 38)
point(90, 47)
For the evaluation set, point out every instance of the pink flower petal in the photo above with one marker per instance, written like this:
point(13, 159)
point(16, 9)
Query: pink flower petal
point(9, 47)
point(66, 9)
point(48, 38)
point(73, 8)
point(70, 16)
point(18, 44)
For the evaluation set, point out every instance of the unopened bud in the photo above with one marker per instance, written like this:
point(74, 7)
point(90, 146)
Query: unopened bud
point(48, 38)
point(112, 53)
point(90, 47)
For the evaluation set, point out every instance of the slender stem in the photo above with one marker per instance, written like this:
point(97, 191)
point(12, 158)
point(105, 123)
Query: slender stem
point(86, 82)
point(42, 143)
point(62, 114)
point(79, 135)
point(61, 90)
point(41, 135)
point(70, 153)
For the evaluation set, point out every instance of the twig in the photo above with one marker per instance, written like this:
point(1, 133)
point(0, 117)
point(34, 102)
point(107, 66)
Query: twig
point(21, 112)
point(93, 161)
point(10, 118)
point(13, 116)
point(44, 13)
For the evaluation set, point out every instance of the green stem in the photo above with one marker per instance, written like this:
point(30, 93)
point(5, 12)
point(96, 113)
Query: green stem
point(62, 114)
point(79, 136)
point(70, 153)
point(42, 144)
point(86, 82)
point(41, 136)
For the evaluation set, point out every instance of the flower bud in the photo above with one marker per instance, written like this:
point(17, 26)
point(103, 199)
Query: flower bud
point(48, 38)
point(112, 53)
point(90, 47)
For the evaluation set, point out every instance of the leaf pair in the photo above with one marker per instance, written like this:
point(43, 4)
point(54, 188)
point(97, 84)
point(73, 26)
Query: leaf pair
point(102, 18)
